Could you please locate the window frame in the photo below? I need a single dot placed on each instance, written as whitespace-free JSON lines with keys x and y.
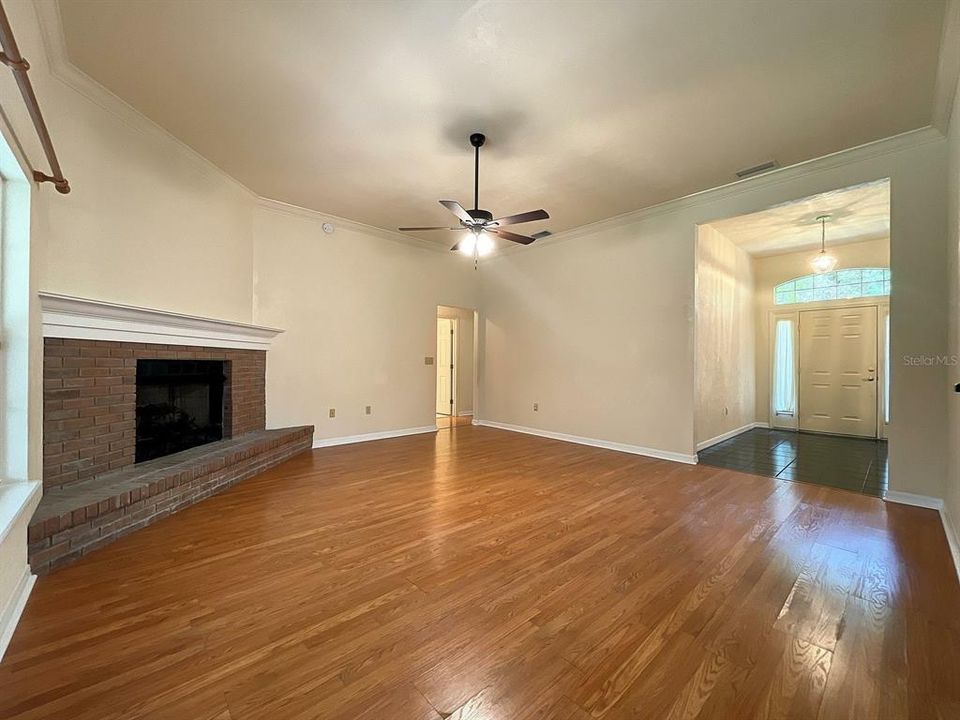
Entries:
{"x":813,"y":278}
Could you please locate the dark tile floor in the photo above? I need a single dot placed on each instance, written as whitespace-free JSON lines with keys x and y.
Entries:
{"x":849,"y":463}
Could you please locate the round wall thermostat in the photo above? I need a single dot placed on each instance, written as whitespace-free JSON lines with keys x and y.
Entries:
{"x":328,"y":228}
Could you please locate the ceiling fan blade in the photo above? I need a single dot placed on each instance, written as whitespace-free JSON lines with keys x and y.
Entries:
{"x":522,"y":218}
{"x":457,"y":209}
{"x":457,"y":246}
{"x":418,"y":229}
{"x":513,"y":237}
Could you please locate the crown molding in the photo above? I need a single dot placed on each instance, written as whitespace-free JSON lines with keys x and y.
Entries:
{"x":877,"y":148}
{"x":346,"y":223}
{"x":66,"y":316}
{"x":948,"y":67}
{"x":61,"y":68}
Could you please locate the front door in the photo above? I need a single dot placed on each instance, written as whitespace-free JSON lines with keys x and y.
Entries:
{"x":444,"y":366}
{"x":838,"y":371}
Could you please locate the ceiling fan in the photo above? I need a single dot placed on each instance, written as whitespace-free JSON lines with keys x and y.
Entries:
{"x":481,"y":223}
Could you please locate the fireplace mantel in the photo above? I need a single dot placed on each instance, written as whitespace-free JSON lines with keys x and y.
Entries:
{"x":65,"y":316}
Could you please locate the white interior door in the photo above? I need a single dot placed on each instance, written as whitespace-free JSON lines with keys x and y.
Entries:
{"x":444,"y":366}
{"x":838,"y":371}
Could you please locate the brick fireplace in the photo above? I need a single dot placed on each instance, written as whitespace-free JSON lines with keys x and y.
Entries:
{"x":197,"y":380}
{"x":89,"y":401}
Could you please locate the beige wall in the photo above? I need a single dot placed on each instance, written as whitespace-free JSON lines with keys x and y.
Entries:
{"x":597,"y":325}
{"x":952,"y":491}
{"x":725,"y":336}
{"x":360,"y":316}
{"x":598,"y":331}
{"x":150,"y":223}
{"x":465,"y":356}
{"x":771,"y":271}
{"x":147,"y":222}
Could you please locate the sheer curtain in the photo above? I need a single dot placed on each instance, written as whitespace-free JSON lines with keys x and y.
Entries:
{"x":784,"y":372}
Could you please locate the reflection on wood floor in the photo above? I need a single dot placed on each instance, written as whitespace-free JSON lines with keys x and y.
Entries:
{"x":486,"y":574}
{"x":446,"y":421}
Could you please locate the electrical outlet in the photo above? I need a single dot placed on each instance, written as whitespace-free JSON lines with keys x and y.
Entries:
{"x":536,"y":407}
{"x":368,"y":410}
{"x":333,"y":412}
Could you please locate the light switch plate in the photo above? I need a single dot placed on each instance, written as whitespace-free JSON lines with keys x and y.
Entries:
{"x":333,"y":412}
{"x":428,"y":361}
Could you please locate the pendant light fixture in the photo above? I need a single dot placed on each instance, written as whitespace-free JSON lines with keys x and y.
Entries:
{"x":822,"y":262}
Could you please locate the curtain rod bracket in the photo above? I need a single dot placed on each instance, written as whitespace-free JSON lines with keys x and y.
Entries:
{"x":20,"y":64}
{"x":11,"y":57}
{"x":62,"y":186}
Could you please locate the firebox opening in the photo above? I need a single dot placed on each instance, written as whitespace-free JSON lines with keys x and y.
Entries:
{"x":179,"y":405}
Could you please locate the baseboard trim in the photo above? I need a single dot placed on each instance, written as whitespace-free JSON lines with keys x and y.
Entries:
{"x":593,"y":442}
{"x":727,"y":435}
{"x":14,"y":608}
{"x":904,"y":498}
{"x":932,"y":503}
{"x":466,"y":413}
{"x":367,"y":437}
{"x":952,"y":540}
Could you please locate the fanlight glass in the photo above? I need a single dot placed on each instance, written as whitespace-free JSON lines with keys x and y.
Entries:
{"x":845,"y":284}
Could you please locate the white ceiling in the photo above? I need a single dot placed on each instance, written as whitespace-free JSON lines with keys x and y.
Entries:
{"x":856,"y":214}
{"x":592,"y":109}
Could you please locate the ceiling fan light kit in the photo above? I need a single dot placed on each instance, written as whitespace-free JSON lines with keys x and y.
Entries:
{"x":480,"y":223}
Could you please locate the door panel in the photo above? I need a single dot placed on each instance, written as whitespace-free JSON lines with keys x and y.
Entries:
{"x":444,"y":366}
{"x":838,"y":371}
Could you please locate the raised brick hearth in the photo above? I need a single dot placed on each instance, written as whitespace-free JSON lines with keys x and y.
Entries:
{"x":89,"y":395}
{"x":94,"y":490}
{"x":79,"y":517}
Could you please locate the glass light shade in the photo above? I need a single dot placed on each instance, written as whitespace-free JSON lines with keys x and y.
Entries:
{"x":484,"y":244}
{"x":823,"y":263}
{"x":468,"y":244}
{"x":481,"y":243}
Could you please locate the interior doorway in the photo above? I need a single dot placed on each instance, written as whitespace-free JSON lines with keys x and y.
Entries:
{"x":446,"y":340}
{"x":792,"y":339}
{"x":455,"y":365}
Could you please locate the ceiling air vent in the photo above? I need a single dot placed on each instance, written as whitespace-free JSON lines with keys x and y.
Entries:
{"x":542,"y":234}
{"x":757,"y":169}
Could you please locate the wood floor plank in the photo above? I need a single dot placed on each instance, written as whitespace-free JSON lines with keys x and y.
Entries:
{"x":479,"y":573}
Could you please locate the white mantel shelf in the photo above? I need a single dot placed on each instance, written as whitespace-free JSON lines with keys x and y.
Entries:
{"x":65,"y":316}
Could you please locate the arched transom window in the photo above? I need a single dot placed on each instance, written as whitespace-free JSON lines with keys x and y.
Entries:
{"x":837,"y":285}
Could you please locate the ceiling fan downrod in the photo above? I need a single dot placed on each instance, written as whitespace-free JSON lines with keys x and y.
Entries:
{"x":477,"y":140}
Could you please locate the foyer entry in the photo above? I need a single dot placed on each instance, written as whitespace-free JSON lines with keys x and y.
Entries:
{"x":838,"y":371}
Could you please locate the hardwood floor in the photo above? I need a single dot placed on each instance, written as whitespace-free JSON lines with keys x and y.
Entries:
{"x":480,"y":574}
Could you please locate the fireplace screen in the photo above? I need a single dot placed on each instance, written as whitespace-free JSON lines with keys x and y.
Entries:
{"x":179,"y":405}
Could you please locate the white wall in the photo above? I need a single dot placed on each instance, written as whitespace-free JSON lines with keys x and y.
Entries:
{"x":360,"y":317}
{"x":463,"y":367}
{"x":597,"y":325}
{"x":771,"y":271}
{"x":725,"y":336}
